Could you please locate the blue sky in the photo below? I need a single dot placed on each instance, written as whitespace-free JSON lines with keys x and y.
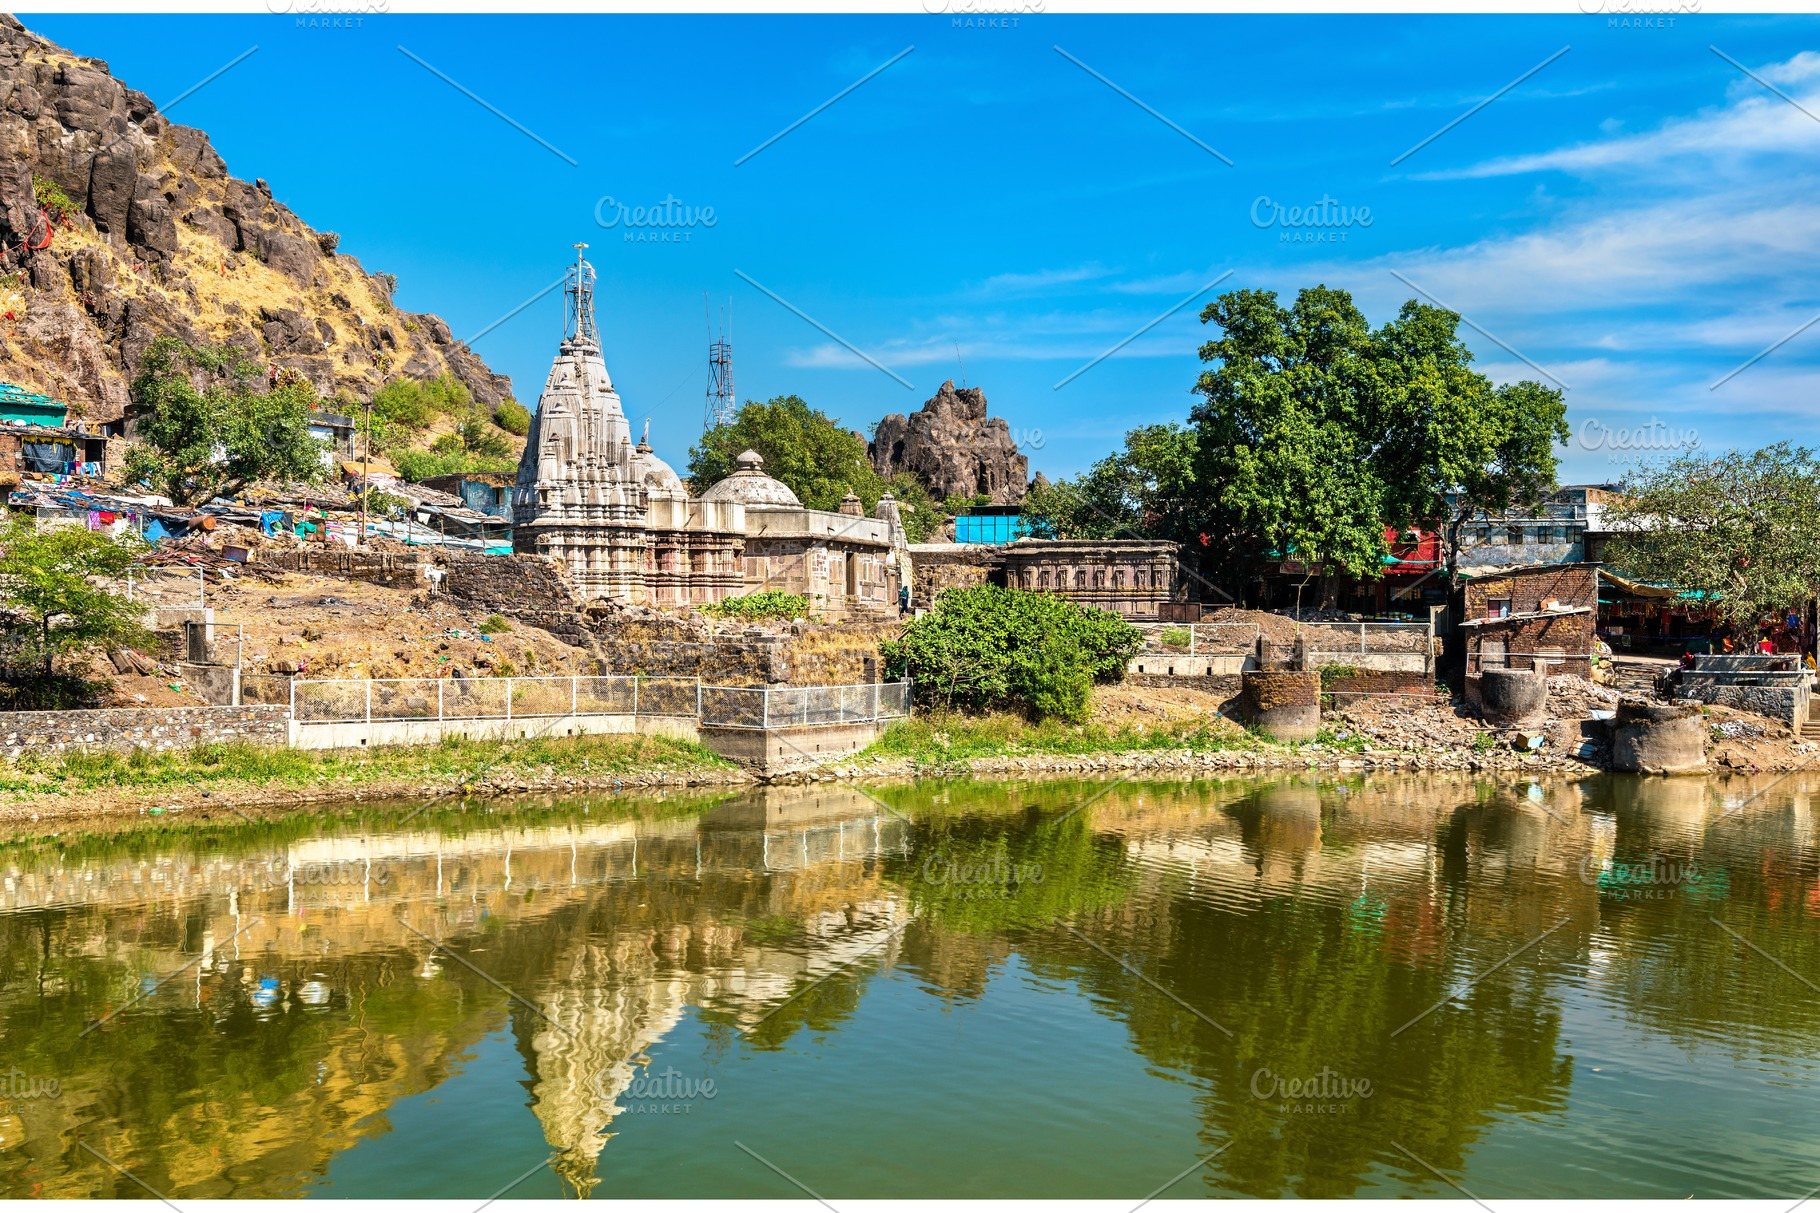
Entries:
{"x":1637,"y":218}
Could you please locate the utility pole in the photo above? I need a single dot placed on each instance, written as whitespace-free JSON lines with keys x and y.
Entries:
{"x":366,"y":465}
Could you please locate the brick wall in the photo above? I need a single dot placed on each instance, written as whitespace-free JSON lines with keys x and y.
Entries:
{"x":125,"y":729}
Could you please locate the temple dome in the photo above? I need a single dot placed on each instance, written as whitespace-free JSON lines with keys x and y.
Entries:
{"x":658,"y":476}
{"x":748,"y":485}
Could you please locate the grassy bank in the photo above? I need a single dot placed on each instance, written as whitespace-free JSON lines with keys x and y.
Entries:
{"x":940,"y":738}
{"x":451,"y":762}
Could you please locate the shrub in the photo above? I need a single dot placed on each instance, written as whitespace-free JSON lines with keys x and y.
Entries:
{"x":51,"y":197}
{"x":988,"y":647}
{"x":1175,"y":638}
{"x":513,"y":418}
{"x":769,"y":604}
{"x":495,"y":623}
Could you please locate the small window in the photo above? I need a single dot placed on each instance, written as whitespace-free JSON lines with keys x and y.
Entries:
{"x":1498,"y":608}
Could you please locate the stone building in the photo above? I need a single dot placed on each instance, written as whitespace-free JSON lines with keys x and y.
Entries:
{"x":1132,"y":577}
{"x":1529,"y":617}
{"x":621,"y":522}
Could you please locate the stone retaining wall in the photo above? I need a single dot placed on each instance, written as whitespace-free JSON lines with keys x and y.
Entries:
{"x":381,"y":568}
{"x":527,"y":588}
{"x":1786,"y":703}
{"x":122,"y":730}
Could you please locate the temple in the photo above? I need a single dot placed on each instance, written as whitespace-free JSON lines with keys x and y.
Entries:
{"x":622,"y":523}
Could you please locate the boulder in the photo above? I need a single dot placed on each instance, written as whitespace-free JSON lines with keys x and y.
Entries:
{"x":1658,"y":738}
{"x":953,"y":448}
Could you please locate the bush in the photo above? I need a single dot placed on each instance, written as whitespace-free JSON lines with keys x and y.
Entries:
{"x":770,"y":604}
{"x":1175,"y":638}
{"x":51,"y":197}
{"x":988,"y":648}
{"x":495,"y":623}
{"x":513,"y":418}
{"x":421,"y":465}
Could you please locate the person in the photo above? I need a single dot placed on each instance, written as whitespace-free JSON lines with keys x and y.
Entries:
{"x":903,"y":600}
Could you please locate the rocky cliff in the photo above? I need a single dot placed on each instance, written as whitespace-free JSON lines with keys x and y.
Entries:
{"x":157,"y":239}
{"x":953,"y":447}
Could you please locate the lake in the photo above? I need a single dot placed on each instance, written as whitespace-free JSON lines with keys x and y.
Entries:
{"x":1374,"y":987}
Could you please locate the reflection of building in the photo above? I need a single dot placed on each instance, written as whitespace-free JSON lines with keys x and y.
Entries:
{"x":620,"y":520}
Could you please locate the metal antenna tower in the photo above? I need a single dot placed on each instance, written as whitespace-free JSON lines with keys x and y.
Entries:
{"x":722,"y":405}
{"x":578,"y":325}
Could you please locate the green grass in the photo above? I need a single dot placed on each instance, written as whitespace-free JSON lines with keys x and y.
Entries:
{"x":217,"y":763}
{"x":951,"y":737}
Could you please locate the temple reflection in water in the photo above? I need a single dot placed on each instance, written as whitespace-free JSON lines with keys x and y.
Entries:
{"x":226,"y":1014}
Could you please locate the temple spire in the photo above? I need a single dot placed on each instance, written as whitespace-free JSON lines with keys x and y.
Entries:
{"x":579,"y":330}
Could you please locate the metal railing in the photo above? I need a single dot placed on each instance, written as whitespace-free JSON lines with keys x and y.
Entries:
{"x":443,"y":699}
{"x":785,"y":707}
{"x":370,"y":699}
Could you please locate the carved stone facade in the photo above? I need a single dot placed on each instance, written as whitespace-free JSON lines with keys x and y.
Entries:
{"x":623,"y":525}
{"x":1130,"y":577}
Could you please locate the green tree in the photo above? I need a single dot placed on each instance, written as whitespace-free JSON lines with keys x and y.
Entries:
{"x":801,"y":446}
{"x":1143,"y":491}
{"x":49,"y":585}
{"x":1742,"y":529}
{"x":474,"y":435}
{"x":987,"y":647}
{"x":513,"y":418}
{"x":198,"y":444}
{"x":1315,"y":432}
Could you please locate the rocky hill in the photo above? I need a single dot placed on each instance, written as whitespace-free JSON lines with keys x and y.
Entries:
{"x":117,"y":226}
{"x":953,"y":448}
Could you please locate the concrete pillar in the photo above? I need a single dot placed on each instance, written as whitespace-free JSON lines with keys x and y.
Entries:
{"x":1511,"y":697}
{"x":1658,"y":738}
{"x":1284,"y":704}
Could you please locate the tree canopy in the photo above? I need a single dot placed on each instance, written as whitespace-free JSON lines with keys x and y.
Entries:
{"x":1315,"y":433}
{"x":52,"y":585}
{"x":1740,"y":528}
{"x":196,"y":444}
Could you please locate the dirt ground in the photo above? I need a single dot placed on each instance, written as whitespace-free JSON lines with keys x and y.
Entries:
{"x":323,"y":627}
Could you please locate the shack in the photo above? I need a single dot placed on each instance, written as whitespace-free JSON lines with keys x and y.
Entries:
{"x":1525,"y":618}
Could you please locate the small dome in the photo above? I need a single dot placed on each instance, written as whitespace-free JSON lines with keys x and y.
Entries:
{"x":748,"y":485}
{"x":654,"y":473}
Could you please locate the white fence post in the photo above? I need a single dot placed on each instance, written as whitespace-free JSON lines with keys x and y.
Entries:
{"x":1361,"y":637}
{"x":698,"y":699}
{"x":369,"y":683}
{"x":508,"y":700}
{"x":574,"y":695}
{"x":439,"y":685}
{"x":635,"y":694}
{"x":293,"y":699}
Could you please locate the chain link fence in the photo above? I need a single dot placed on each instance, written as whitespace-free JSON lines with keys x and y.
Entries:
{"x":368,"y":699}
{"x":161,"y":588}
{"x":784,"y":707}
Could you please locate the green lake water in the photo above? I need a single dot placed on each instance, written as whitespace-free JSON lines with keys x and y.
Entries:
{"x":1370,"y":987}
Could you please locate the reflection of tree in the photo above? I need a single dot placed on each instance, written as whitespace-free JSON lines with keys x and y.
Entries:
{"x":984,"y":873}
